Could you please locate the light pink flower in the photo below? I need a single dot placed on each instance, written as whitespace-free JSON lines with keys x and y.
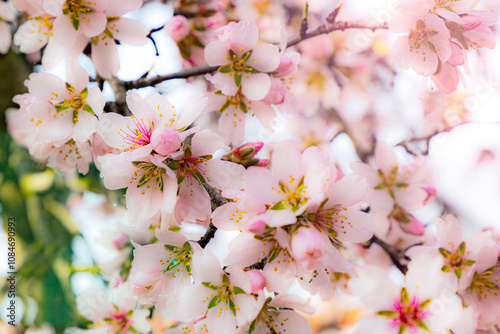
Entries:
{"x":277,"y":314}
{"x":58,"y":111}
{"x":162,"y":268}
{"x":177,"y":28}
{"x":243,"y":63}
{"x":223,"y":298}
{"x":76,"y":17}
{"x":427,"y":44}
{"x":6,"y":15}
{"x":421,"y":306}
{"x":127,"y":31}
{"x":120,"y":316}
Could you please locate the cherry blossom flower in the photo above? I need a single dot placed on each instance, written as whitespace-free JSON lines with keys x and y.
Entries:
{"x":163,"y":268}
{"x":242,"y":62}
{"x":223,"y":298}
{"x":59,"y":111}
{"x":276,"y":316}
{"x":420,"y":306}
{"x":6,"y":15}
{"x":427,"y":44}
{"x":111,"y":317}
{"x":177,"y":28}
{"x":75,"y":17}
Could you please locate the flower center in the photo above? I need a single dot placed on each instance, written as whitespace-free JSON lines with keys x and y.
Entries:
{"x":485,"y":284}
{"x":407,"y":314}
{"x":421,"y":38}
{"x":138,"y":137}
{"x":149,"y":175}
{"x":178,"y":256}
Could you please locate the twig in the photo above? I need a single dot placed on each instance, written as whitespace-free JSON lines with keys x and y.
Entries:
{"x":216,"y":200}
{"x":184,"y":74}
{"x":258,"y":265}
{"x":396,"y":254}
{"x":341,"y":25}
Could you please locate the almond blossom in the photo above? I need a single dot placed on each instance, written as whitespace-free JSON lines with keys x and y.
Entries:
{"x":427,"y":44}
{"x":420,"y":306}
{"x":6,"y":15}
{"x":223,"y":298}
{"x":113,"y":317}
{"x":162,"y":268}
{"x":242,"y":62}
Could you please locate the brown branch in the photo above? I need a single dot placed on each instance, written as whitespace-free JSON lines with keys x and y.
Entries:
{"x":184,"y":74}
{"x":397,"y":255}
{"x":216,"y":200}
{"x":341,"y":25}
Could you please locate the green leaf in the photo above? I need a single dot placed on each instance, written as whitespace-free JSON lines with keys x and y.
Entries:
{"x":198,"y":176}
{"x":210,"y":285}
{"x":225,"y":280}
{"x":469,"y":263}
{"x":389,"y":314}
{"x":224,"y":106}
{"x":250,"y":70}
{"x":60,"y":107}
{"x":445,"y":268}
{"x":237,"y":78}
{"x":461,"y":248}
{"x":444,"y":252}
{"x":458,"y":272}
{"x":422,"y":325}
{"x":232,"y":307}
{"x":379,"y":187}
{"x":187,"y":152}
{"x":243,"y":107}
{"x":278,"y":206}
{"x":404,"y":295}
{"x":170,"y":247}
{"x":252,"y":327}
{"x":133,"y":330}
{"x":228,"y":68}
{"x":247,"y":55}
{"x":88,"y":109}
{"x":239,"y":291}
{"x":214,"y":302}
{"x":173,"y":264}
{"x":84,"y":93}
{"x":75,"y":20}
{"x":108,"y":33}
{"x":174,"y":164}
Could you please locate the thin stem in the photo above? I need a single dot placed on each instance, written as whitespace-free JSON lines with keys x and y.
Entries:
{"x":216,"y":200}
{"x":397,"y":255}
{"x":184,"y":74}
{"x":331,"y":27}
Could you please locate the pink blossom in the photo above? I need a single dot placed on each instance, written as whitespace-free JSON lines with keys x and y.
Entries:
{"x":120,"y":316}
{"x":177,"y":28}
{"x":427,"y":44}
{"x":6,"y":15}
{"x":242,"y":62}
{"x":223,"y":298}
{"x":161,"y":268}
{"x":73,"y":18}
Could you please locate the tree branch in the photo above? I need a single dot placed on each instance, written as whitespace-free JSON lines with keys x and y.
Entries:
{"x":216,"y":200}
{"x":184,"y":74}
{"x":341,"y":25}
{"x":397,"y":255}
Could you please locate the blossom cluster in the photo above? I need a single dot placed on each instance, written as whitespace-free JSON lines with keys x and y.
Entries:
{"x":222,"y":230}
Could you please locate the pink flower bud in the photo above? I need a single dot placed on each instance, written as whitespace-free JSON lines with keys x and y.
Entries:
{"x":414,"y":227}
{"x":307,"y":244}
{"x":256,"y":226}
{"x":165,"y":140}
{"x":431,"y":194}
{"x":262,"y":163}
{"x":177,"y":28}
{"x":256,"y":280}
{"x":471,"y":22}
{"x":286,"y":67}
{"x":247,"y":151}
